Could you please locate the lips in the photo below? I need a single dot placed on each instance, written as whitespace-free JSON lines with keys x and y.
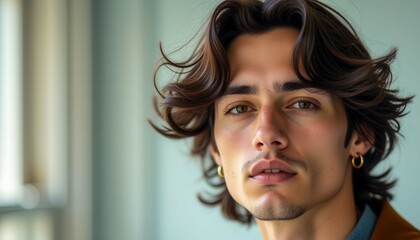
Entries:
{"x":273,"y":166}
{"x":269,"y":172}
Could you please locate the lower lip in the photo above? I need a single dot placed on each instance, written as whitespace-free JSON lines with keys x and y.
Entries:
{"x":272,"y":178}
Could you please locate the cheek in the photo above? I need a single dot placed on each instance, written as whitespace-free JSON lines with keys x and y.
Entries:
{"x":328,"y":159}
{"x":322,"y":145}
{"x":231,"y":144}
{"x":326,"y":135}
{"x":233,"y":147}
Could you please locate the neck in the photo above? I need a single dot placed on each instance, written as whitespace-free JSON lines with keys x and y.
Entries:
{"x":332,"y":219}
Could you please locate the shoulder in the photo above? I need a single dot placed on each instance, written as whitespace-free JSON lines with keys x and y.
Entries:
{"x":390,"y":225}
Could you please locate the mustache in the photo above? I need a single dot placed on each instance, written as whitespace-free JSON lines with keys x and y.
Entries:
{"x":278,"y":154}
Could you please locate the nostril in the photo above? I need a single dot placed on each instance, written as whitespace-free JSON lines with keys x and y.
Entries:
{"x":273,"y":143}
{"x":260,"y":144}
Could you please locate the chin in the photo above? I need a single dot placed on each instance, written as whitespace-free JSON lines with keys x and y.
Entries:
{"x":273,"y":207}
{"x":278,"y":212}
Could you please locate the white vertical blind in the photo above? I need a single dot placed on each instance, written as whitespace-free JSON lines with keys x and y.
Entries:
{"x":10,"y":102}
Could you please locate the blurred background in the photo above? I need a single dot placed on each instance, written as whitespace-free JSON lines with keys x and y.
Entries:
{"x":78,"y":159}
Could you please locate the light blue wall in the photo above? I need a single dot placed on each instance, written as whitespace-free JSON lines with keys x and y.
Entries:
{"x":122,"y":36}
{"x":177,"y":179}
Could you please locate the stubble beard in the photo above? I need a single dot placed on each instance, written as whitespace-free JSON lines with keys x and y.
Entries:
{"x":276,"y":213}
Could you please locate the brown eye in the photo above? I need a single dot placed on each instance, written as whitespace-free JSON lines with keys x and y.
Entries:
{"x":304,"y":104}
{"x":241,"y":109}
{"x":238,"y":109}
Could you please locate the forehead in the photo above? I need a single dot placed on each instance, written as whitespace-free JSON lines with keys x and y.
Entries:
{"x":271,"y":47}
{"x":263,"y":54}
{"x":264,"y":57}
{"x":258,"y":59}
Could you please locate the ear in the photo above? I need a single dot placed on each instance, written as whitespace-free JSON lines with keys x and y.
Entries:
{"x":361,"y":144}
{"x":215,"y":154}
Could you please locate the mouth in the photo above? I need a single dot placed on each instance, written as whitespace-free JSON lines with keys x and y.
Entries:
{"x":272,"y":166}
{"x":272,"y":171}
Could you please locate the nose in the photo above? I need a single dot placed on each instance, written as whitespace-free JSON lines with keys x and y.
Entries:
{"x":270,"y":131}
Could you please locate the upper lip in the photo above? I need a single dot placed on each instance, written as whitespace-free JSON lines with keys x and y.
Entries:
{"x":264,"y":164}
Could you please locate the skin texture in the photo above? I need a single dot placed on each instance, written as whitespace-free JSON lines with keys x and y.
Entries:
{"x":266,"y":116}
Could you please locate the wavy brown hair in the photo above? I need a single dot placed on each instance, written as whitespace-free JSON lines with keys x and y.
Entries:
{"x":330,"y":53}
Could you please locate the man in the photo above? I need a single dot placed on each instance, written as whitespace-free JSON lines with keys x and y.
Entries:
{"x":295,"y":114}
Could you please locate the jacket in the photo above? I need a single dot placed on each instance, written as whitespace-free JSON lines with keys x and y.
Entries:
{"x":390,"y":225}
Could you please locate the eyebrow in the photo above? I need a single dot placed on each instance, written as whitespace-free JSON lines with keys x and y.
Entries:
{"x":288,"y":86}
{"x":252,"y":89}
{"x":243,"y":89}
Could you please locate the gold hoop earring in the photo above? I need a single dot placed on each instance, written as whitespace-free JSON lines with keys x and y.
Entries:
{"x":220,"y":172}
{"x":357,"y":166}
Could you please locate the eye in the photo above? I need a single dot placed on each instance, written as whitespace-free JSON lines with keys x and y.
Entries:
{"x":238,"y":109}
{"x":304,"y":105}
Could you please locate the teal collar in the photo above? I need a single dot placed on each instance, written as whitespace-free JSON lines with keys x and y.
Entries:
{"x":364,"y":226}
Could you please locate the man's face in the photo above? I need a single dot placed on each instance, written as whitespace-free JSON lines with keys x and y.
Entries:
{"x":281,"y":145}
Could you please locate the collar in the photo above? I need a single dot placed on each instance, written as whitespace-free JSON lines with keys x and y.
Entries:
{"x":365,"y":225}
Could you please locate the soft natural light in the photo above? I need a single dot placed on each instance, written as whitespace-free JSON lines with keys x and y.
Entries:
{"x":10,"y":102}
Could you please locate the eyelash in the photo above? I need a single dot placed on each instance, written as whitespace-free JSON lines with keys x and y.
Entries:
{"x":313,"y":106}
{"x":229,"y":110}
